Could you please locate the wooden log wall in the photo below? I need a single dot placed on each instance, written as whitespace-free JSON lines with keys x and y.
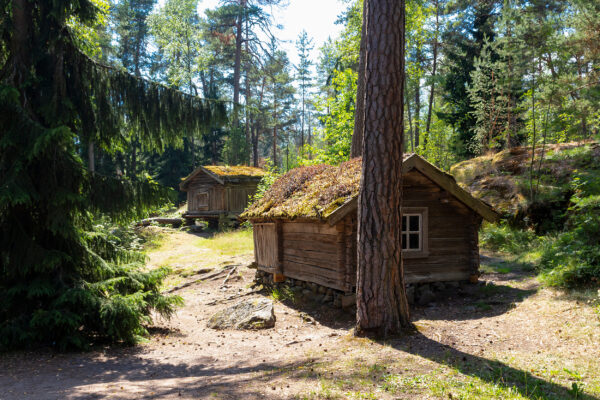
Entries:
{"x":216,"y":194}
{"x":326,"y":255}
{"x":266,"y":250}
{"x":238,"y":195}
{"x":311,"y":252}
{"x":452,"y":229}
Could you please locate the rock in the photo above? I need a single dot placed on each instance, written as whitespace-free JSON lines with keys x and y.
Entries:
{"x":248,"y":314}
{"x":326,"y":299}
{"x":322,"y":289}
{"x":439,"y":286}
{"x":314,"y":287}
{"x":348,"y":300}
{"x":452,"y":285}
{"x":410,"y":294}
{"x":318,"y":298}
{"x":329,"y":292}
{"x":425,"y":296}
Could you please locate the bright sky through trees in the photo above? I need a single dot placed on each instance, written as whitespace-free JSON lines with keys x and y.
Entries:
{"x":317,"y":17}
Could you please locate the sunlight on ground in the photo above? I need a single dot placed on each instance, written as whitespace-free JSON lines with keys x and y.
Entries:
{"x":186,"y":253}
{"x":228,"y":243}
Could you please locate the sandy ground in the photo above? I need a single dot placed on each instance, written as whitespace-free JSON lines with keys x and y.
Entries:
{"x":506,"y":326}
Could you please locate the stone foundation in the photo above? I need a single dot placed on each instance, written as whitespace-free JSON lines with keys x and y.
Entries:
{"x":417,"y":293}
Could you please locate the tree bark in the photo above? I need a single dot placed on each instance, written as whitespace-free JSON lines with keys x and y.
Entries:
{"x":382,"y":307}
{"x":238,"y":61}
{"x":433,"y":71}
{"x":417,"y":119}
{"x":356,"y":148}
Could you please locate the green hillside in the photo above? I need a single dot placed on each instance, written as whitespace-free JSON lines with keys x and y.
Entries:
{"x":551,"y":211}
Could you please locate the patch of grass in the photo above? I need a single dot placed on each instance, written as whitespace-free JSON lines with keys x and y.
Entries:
{"x":231,"y":243}
{"x":282,"y":293}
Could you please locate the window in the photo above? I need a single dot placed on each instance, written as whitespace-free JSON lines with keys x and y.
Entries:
{"x":412,"y":232}
{"x":415,"y":240}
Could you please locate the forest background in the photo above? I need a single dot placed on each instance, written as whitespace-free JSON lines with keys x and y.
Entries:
{"x":108,"y":105}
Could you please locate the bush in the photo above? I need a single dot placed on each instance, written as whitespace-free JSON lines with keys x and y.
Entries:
{"x":507,"y":239}
{"x":110,"y":301}
{"x":572,"y":258}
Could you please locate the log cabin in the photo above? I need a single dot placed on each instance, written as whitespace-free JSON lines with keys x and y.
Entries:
{"x":215,"y":192}
{"x":305,"y":226}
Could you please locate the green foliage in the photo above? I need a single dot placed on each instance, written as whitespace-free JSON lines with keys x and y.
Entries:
{"x":282,"y":293}
{"x":568,"y":256}
{"x":65,"y":280}
{"x":338,"y":121}
{"x":504,"y":238}
{"x":572,"y":258}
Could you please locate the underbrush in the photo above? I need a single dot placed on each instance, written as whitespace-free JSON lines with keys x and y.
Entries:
{"x":568,"y":254}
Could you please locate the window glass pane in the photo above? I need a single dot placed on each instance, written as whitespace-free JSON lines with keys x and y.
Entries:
{"x":403,"y":241}
{"x":404,"y":223}
{"x":413,"y":240}
{"x":414,"y":223}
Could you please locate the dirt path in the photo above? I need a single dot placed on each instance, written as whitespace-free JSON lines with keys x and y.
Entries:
{"x":504,"y":340}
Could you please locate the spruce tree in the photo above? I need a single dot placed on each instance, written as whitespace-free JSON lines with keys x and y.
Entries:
{"x":64,"y":281}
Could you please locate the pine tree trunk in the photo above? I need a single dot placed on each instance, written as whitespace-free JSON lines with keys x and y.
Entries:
{"x":417,"y":119}
{"x":238,"y":61}
{"x":248,"y":90}
{"x":382,"y":307}
{"x":356,"y":149}
{"x":433,"y":71}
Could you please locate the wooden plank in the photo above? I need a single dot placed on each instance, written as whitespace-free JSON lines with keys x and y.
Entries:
{"x":265,"y":245}
{"x":319,"y":280}
{"x":309,"y":227}
{"x":323,"y":262}
{"x":279,"y":250}
{"x":317,"y":237}
{"x":292,"y":266}
{"x":310,"y":245}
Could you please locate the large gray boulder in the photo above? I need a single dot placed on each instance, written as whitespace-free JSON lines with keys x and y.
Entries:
{"x":248,"y":314}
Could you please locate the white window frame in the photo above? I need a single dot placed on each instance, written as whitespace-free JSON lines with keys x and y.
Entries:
{"x":423,"y":250}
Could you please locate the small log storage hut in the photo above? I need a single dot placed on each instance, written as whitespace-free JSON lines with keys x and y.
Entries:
{"x":215,"y":191}
{"x":305,"y":227}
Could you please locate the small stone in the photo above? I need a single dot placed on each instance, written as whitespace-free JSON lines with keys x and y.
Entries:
{"x":314,"y":287}
{"x":329,"y":292}
{"x":326,"y":299}
{"x":318,"y":298}
{"x":439,"y":286}
{"x":322,"y":289}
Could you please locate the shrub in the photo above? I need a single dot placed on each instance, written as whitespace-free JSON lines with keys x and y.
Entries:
{"x":110,"y":301}
{"x":505,"y":238}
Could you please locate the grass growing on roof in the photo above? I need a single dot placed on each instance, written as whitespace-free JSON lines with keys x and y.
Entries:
{"x":234,"y":170}
{"x":313,"y":191}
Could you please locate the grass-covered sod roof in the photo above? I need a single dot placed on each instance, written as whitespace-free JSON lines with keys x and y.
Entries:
{"x":234,"y":171}
{"x":312,"y":192}
{"x":318,"y":192}
{"x":225,"y":173}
